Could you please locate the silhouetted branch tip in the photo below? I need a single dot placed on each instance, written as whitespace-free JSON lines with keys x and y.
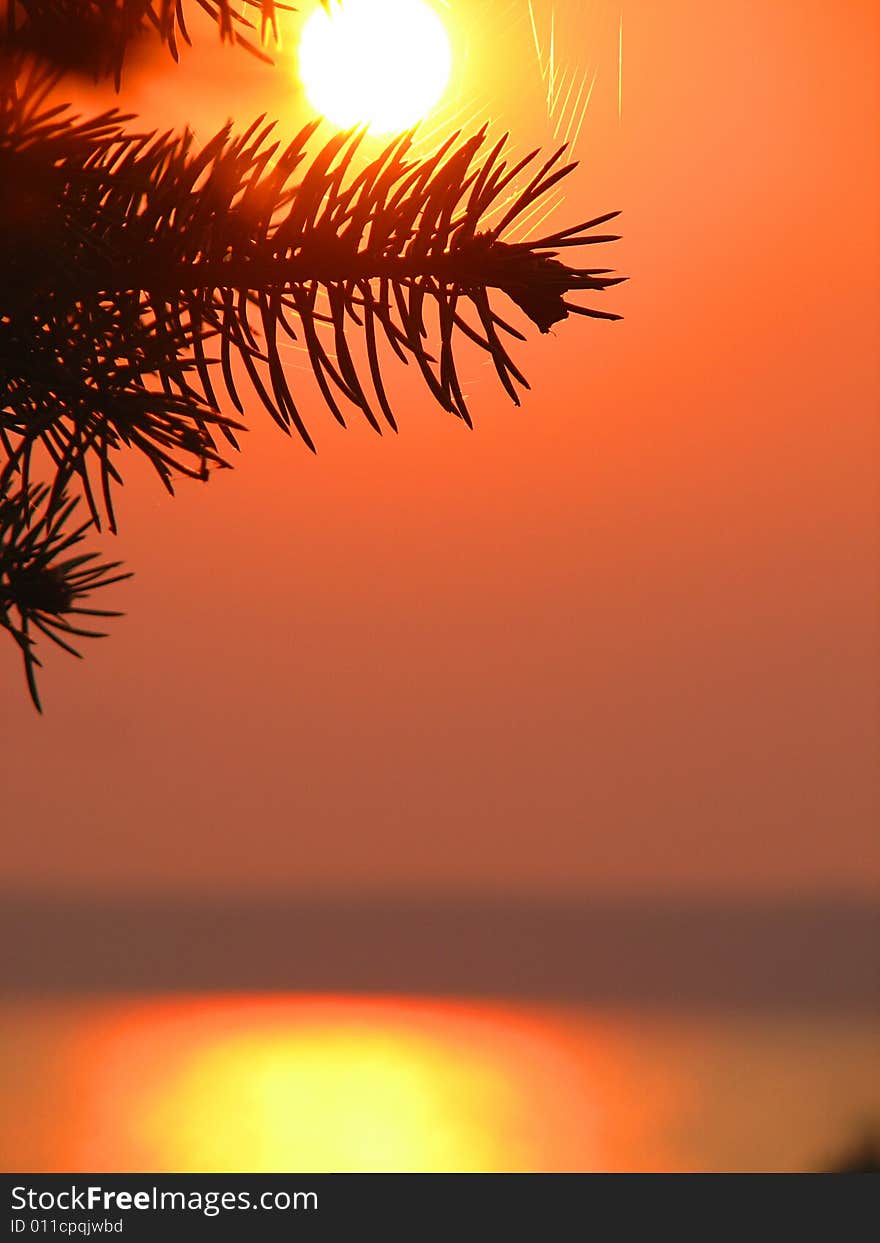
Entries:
{"x":43,"y":586}
{"x":92,"y":37}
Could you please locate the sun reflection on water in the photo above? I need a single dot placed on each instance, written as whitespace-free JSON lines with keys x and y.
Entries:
{"x":328,"y":1084}
{"x":344,"y":1083}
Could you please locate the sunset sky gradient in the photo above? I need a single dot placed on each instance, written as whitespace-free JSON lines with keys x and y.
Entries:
{"x":622,"y":639}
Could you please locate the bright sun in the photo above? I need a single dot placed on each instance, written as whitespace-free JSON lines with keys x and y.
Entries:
{"x":380,"y":63}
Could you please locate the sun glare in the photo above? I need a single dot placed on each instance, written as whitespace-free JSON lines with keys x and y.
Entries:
{"x":379,"y":63}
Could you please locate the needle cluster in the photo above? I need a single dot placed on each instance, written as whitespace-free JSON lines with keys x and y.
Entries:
{"x":92,"y":37}
{"x":42,"y":585}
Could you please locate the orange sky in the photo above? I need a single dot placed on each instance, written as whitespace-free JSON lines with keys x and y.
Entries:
{"x":623,"y":638}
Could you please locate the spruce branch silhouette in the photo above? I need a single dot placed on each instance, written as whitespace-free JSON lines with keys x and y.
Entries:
{"x":126,"y":257}
{"x":92,"y":37}
{"x":143,"y":277}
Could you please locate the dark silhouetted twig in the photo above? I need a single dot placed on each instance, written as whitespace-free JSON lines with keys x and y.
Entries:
{"x":45,"y":578}
{"x":92,"y":36}
{"x":862,"y":1156}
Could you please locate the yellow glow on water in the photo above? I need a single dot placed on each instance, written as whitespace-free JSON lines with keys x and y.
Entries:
{"x":324,"y":1085}
{"x":321,"y":1096}
{"x":317,"y":1083}
{"x":380,"y":63}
